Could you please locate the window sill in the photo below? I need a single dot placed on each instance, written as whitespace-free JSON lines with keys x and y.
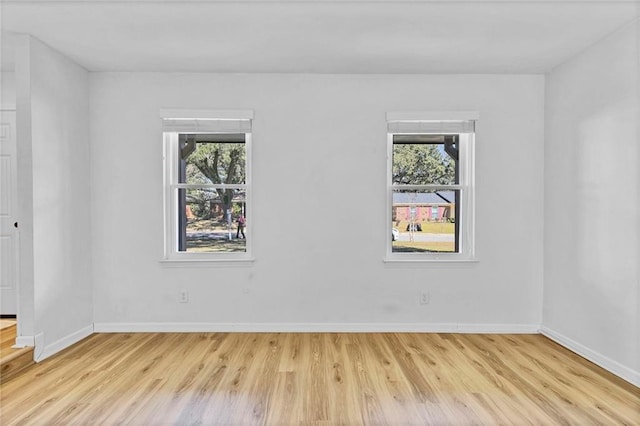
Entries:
{"x":204,"y":263}
{"x":396,"y":260}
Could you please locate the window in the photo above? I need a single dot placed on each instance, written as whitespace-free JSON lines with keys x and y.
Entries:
{"x":430,"y":186}
{"x":207,"y":184}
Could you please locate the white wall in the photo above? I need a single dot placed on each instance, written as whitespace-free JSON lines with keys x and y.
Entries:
{"x":592,"y":204}
{"x":55,"y":221}
{"x":8,"y":90}
{"x":319,"y":203}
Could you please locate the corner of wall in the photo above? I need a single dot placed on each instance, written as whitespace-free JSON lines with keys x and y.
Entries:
{"x":629,"y":374}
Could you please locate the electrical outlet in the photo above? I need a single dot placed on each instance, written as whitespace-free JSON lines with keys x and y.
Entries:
{"x":424,"y":298}
{"x":183,"y":297}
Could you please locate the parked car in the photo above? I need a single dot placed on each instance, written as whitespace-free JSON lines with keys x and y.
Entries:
{"x":395,"y":234}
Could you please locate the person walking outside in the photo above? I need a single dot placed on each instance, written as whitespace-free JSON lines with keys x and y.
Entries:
{"x":241,"y":223}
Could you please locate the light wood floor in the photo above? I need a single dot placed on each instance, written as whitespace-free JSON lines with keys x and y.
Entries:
{"x":7,"y":335}
{"x":12,"y":360}
{"x":317,"y":378}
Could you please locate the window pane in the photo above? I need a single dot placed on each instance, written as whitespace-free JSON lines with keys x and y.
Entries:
{"x":424,"y":221}
{"x":210,"y":220}
{"x":420,"y":160}
{"x":212,"y":159}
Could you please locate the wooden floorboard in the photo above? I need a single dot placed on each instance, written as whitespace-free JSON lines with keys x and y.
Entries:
{"x":12,"y":360}
{"x":7,"y":336}
{"x":317,"y":378}
{"x":7,"y":339}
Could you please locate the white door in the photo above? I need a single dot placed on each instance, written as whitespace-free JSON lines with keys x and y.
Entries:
{"x":8,"y":214}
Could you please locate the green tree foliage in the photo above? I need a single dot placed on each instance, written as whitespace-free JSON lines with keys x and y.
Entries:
{"x":216,"y":163}
{"x":422,"y":164}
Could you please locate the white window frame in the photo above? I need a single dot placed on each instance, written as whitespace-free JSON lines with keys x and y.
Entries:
{"x":176,"y":122}
{"x":446,"y":123}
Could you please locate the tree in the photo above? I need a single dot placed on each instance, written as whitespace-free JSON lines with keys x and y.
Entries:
{"x":217,"y":163}
{"x":422,"y":164}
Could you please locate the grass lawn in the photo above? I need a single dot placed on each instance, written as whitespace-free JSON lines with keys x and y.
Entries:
{"x":211,"y":236}
{"x":429,"y":227}
{"x":205,"y":225}
{"x":415,"y":246}
{"x":217,"y":246}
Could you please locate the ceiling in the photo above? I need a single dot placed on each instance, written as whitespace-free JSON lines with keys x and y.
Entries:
{"x":320,"y":36}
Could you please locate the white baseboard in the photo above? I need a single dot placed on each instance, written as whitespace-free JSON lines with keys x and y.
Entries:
{"x":24,"y":341}
{"x":63,"y":343}
{"x":499,"y":328}
{"x":597,"y":358}
{"x":196,"y":327}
